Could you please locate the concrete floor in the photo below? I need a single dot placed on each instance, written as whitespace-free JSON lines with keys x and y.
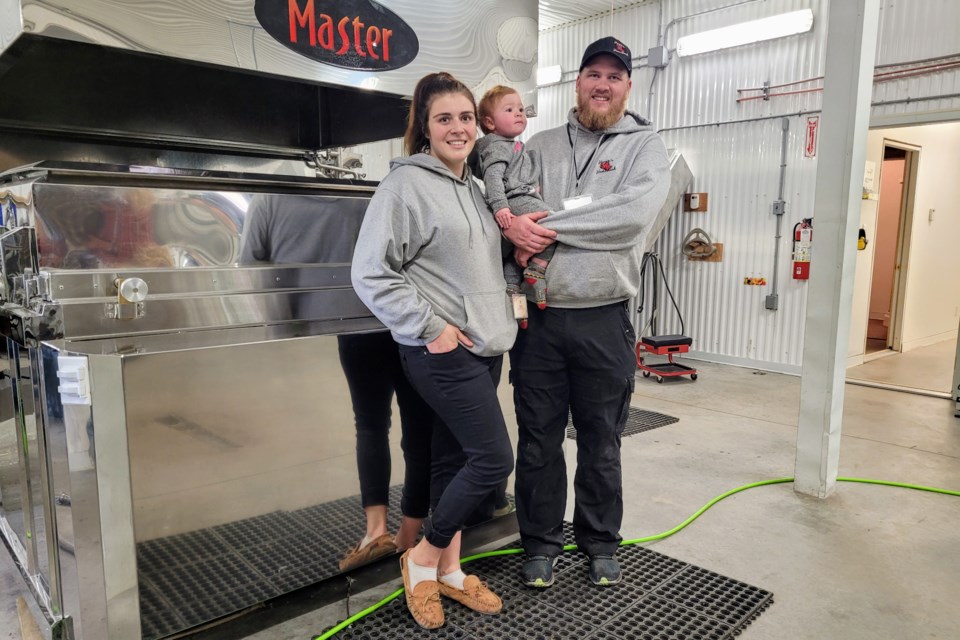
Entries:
{"x":929,"y":368}
{"x":869,"y":562}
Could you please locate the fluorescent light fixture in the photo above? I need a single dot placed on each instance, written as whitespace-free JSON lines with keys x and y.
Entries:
{"x":784,"y":24}
{"x":549,"y":75}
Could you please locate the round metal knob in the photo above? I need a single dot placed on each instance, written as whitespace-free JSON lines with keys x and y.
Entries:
{"x":133,"y":289}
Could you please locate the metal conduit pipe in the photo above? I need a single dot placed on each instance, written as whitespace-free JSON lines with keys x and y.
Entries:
{"x":700,"y":13}
{"x":895,"y":387}
{"x":797,"y":114}
{"x":884,"y":103}
{"x":898,"y":74}
{"x":771,"y":302}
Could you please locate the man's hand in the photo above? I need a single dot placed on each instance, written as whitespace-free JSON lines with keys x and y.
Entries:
{"x":504,"y":218}
{"x":526,"y":234}
{"x":522,"y":257}
{"x":448,"y":340}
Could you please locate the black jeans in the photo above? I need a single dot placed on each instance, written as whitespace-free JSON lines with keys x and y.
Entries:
{"x":462,"y":389}
{"x":371,"y":364}
{"x":581,"y":361}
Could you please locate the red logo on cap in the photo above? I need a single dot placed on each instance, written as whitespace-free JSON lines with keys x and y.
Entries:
{"x":619,"y":47}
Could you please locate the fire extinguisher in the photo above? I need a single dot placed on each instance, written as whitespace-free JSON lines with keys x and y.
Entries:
{"x":802,"y":239}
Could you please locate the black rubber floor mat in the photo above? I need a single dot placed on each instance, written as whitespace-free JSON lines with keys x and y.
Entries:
{"x":638,"y":421}
{"x":660,"y":598}
{"x":195,"y":577}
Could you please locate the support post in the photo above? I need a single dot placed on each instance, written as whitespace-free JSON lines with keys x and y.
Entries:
{"x":847,"y":87}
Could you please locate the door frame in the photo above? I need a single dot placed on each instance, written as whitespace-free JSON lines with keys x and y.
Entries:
{"x":904,"y":234}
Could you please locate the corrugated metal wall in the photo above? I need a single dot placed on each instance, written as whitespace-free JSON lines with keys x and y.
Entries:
{"x":734,"y":148}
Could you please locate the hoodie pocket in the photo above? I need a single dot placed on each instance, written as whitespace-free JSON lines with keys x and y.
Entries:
{"x":489,"y":322}
{"x":581,"y":275}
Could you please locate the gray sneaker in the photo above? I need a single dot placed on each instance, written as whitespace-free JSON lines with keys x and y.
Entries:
{"x":605,"y":571}
{"x":537,"y":571}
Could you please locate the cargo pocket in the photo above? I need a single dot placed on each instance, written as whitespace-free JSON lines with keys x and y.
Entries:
{"x":625,"y":404}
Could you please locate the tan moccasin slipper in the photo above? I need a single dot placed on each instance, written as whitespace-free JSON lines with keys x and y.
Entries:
{"x":474,"y":595}
{"x":424,"y":600}
{"x":378,"y":547}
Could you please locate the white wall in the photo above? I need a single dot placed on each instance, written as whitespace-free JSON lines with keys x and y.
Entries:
{"x":933,"y":281}
{"x":932,"y":304}
{"x":734,"y":150}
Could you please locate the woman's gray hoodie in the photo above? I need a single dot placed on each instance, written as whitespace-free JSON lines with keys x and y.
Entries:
{"x":429,"y":254}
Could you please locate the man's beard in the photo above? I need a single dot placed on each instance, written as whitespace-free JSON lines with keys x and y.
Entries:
{"x":596,"y":120}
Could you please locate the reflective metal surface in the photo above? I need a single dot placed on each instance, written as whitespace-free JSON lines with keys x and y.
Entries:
{"x":228,"y":34}
{"x":177,"y":432}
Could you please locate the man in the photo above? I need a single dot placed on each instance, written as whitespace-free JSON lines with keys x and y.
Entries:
{"x":605,"y":178}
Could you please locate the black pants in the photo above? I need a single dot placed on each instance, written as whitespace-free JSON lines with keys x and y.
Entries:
{"x":462,"y":389}
{"x":581,"y":361}
{"x":371,"y":364}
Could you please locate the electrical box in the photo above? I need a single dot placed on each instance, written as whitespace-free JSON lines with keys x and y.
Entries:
{"x":657,"y":57}
{"x":694,"y":202}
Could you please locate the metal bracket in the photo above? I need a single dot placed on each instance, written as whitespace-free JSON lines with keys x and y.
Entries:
{"x":117,"y":311}
{"x":326,"y":163}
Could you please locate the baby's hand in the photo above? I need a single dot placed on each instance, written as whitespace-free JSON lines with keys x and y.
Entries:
{"x":504,"y":218}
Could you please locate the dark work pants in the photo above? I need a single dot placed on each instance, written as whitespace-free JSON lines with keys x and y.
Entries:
{"x":581,"y":361}
{"x":462,"y":389}
{"x":371,"y":364}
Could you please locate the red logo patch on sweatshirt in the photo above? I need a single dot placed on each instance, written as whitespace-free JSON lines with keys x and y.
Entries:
{"x":605,"y":165}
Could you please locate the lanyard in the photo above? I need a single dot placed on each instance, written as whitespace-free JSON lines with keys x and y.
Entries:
{"x":576,"y":174}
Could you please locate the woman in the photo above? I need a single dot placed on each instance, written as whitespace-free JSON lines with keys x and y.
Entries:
{"x":428,"y":264}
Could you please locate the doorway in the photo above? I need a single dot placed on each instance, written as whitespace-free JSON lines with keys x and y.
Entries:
{"x":898,"y":179}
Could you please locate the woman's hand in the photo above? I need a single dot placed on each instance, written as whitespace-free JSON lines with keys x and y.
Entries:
{"x":526,"y":234}
{"x":448,"y":340}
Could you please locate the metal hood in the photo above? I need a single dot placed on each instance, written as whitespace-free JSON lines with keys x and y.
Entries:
{"x":261,"y":77}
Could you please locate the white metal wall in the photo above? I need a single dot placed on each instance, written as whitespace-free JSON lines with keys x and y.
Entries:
{"x":734,"y":148}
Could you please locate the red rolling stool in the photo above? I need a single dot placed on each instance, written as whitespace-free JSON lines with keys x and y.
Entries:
{"x":664,"y":346}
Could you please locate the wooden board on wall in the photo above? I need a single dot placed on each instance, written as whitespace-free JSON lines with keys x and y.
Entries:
{"x":717,"y":255}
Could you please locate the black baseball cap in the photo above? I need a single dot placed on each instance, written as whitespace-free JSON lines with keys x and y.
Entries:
{"x":611,"y":46}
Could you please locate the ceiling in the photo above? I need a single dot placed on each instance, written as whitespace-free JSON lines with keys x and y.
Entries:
{"x":557,"y":12}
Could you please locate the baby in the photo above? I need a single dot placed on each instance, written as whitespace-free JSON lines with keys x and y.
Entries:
{"x":512,"y":179}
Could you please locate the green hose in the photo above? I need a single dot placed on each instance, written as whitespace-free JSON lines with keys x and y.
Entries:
{"x":660,"y":536}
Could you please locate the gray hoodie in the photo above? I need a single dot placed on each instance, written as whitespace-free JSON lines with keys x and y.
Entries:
{"x":429,"y":254}
{"x":625,"y":171}
{"x":508,"y":171}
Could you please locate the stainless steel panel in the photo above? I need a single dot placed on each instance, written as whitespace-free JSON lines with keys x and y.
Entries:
{"x":64,"y":285}
{"x":26,"y":435}
{"x":114,"y":473}
{"x":90,"y":319}
{"x":88,"y":226}
{"x":12,"y":480}
{"x":70,"y":445}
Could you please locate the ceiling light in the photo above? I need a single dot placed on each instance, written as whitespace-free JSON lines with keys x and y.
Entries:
{"x":549,"y":75}
{"x":784,"y":24}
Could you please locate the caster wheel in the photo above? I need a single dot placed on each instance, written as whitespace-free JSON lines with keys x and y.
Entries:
{"x":659,"y":379}
{"x":646,"y":374}
{"x":693,"y":376}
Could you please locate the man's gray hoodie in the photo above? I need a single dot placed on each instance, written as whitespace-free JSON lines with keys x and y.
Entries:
{"x":626,"y":172}
{"x":429,"y":254}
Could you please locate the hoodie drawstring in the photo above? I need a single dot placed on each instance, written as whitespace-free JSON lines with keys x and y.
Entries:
{"x":463,"y":209}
